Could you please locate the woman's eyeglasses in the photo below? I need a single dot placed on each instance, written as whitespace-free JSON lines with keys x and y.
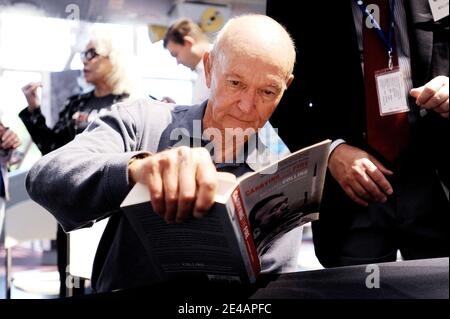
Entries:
{"x":88,"y":55}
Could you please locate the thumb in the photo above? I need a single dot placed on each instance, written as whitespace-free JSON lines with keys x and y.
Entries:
{"x":416,"y":92}
{"x":381,"y":167}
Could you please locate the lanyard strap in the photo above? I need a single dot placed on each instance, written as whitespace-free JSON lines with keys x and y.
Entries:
{"x":386,"y":40}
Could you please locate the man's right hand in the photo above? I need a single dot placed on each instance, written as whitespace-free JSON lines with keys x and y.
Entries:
{"x":360,"y":175}
{"x":181,"y":181}
{"x":30,"y":92}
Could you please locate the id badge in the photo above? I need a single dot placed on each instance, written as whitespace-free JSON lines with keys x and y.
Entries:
{"x":391,"y":91}
{"x":439,"y":9}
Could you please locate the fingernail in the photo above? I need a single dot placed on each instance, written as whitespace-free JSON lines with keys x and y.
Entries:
{"x":390,"y":191}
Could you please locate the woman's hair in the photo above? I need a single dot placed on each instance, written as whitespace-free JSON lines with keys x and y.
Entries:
{"x":106,"y":45}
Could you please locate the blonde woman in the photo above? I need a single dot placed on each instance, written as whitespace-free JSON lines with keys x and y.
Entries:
{"x":104,"y":69}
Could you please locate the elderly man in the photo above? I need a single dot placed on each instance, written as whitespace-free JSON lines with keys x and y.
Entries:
{"x":247,"y":71}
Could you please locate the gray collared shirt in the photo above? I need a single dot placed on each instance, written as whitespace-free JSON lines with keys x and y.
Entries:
{"x":87,"y":180}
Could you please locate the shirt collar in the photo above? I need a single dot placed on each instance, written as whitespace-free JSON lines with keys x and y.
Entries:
{"x":191,"y":128}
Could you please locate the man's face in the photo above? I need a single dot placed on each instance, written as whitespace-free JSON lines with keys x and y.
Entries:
{"x":96,"y":67}
{"x":245,"y":90}
{"x":183,"y":53}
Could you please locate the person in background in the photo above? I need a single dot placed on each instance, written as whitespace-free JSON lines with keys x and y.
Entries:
{"x":390,"y":185}
{"x":389,"y":164}
{"x":187,"y":43}
{"x":9,"y":141}
{"x":103,"y":61}
{"x":104,"y":69}
{"x":248,"y":70}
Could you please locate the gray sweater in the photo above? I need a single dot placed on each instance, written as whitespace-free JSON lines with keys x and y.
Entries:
{"x":87,"y":180}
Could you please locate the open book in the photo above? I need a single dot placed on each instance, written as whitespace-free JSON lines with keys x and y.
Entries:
{"x":250,"y":213}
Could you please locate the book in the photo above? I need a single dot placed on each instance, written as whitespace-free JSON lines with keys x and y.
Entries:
{"x":249,"y":214}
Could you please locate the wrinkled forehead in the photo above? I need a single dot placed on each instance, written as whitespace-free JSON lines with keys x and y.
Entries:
{"x":257,"y":65}
{"x":259,"y":52}
{"x":258,"y":36}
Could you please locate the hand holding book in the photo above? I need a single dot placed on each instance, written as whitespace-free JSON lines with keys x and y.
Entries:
{"x":180,"y":181}
{"x":251,"y":217}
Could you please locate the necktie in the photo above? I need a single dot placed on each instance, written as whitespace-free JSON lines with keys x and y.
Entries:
{"x":388,"y":135}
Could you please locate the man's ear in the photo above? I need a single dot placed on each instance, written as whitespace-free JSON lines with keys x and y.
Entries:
{"x":207,"y":64}
{"x":289,"y":81}
{"x":188,"y":41}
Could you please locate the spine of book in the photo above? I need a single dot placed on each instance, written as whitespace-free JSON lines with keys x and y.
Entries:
{"x":246,"y":230}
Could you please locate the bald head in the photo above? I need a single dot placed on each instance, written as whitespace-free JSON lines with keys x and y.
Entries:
{"x":259,"y":36}
{"x":248,"y":71}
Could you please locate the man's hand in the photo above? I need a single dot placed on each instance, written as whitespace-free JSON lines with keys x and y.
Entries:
{"x":433,"y":95}
{"x":9,"y":139}
{"x":168,"y":99}
{"x":30,"y":92}
{"x":360,"y":175}
{"x":180,"y":181}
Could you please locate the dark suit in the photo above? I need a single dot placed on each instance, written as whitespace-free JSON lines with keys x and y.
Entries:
{"x":326,"y":100}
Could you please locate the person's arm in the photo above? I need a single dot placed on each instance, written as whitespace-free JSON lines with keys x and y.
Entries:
{"x":9,"y":141}
{"x":361,"y":176}
{"x":87,"y":179}
{"x":45,"y":138}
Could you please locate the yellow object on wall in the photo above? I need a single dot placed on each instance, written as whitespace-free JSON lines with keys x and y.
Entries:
{"x":211,"y":20}
{"x":156,"y":32}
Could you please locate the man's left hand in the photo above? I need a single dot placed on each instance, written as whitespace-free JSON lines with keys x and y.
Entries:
{"x":433,"y":95}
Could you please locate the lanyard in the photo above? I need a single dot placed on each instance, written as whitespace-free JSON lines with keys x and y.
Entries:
{"x":387,"y":40}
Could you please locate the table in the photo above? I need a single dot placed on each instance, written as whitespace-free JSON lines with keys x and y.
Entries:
{"x":417,"y":279}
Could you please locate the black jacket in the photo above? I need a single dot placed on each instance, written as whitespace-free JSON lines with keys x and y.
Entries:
{"x":326,"y":98}
{"x":48,"y":139}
